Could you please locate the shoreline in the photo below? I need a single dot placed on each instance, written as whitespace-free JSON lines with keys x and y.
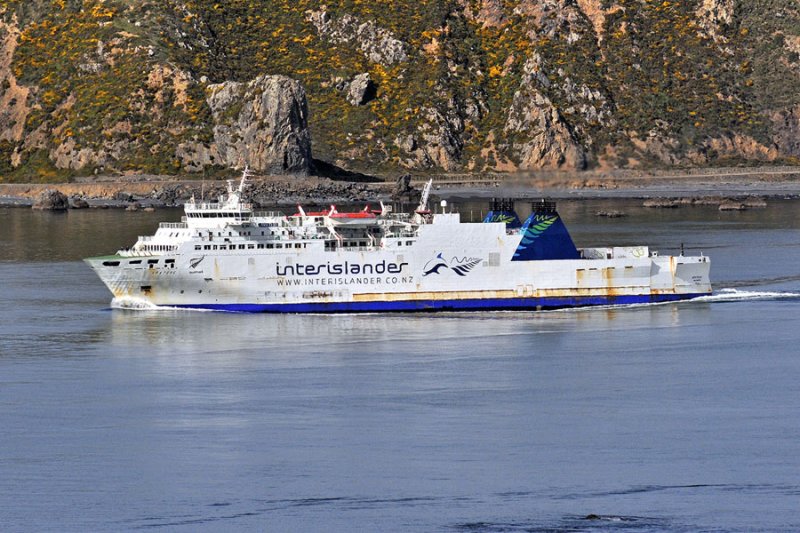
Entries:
{"x":157,"y":191}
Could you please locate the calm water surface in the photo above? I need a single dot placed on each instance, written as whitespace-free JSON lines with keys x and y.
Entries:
{"x":678,"y":417}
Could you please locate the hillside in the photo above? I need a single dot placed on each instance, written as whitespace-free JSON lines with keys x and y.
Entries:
{"x":166,"y":87}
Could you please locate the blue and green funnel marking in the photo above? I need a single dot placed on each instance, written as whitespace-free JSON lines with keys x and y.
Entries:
{"x":544,"y":236}
{"x":510,"y":218}
{"x":502,"y":210}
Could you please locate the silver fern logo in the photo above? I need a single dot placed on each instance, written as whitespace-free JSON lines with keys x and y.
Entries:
{"x":460,"y":265}
{"x":196,"y":261}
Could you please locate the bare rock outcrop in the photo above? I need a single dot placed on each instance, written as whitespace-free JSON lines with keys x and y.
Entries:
{"x":786,"y":125}
{"x":51,"y":200}
{"x":597,"y":13}
{"x":547,"y":141}
{"x":714,"y":15}
{"x":68,"y":155}
{"x":437,"y":142}
{"x":14,"y":107}
{"x":488,"y":13}
{"x":378,"y":44}
{"x":78,"y":202}
{"x":732,"y":146}
{"x":361,"y":90}
{"x":262,"y":123}
{"x":556,"y":112}
{"x":402,"y":186}
{"x":554,"y":18}
{"x":658,"y":145}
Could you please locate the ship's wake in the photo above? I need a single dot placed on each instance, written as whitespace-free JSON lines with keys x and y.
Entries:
{"x":722,"y":295}
{"x":737,"y":295}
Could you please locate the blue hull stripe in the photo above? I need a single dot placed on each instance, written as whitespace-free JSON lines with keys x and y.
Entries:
{"x":446,"y":305}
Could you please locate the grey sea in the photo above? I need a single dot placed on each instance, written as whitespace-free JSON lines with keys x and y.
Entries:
{"x":674,"y":417}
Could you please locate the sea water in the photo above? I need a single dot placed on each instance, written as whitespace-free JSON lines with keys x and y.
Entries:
{"x":671,"y":417}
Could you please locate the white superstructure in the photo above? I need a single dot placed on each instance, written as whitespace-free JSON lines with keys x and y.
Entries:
{"x":227,"y":256}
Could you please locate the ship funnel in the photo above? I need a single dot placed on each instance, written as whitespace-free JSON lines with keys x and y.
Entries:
{"x":544,"y":235}
{"x":502,"y":210}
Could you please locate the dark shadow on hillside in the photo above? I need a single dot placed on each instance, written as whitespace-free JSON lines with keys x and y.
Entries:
{"x":331,"y":171}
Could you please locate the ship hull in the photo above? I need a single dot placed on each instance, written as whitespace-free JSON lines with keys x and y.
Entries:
{"x":480,"y":304}
{"x":336,"y":282}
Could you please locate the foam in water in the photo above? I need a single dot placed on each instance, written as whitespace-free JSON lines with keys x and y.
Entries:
{"x":721,"y":295}
{"x":736,"y":295}
{"x":130,"y":302}
{"x":139,"y":304}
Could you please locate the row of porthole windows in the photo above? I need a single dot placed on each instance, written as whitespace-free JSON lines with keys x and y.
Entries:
{"x":237,"y":214}
{"x":230,"y":234}
{"x":151,"y":263}
{"x":249,"y":246}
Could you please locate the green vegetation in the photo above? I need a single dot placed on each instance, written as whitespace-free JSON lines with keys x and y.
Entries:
{"x":763,"y":31}
{"x":664,"y":71}
{"x":108,"y":73}
{"x":91,"y":76}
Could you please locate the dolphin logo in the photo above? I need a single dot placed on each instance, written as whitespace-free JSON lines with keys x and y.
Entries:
{"x":437,"y":264}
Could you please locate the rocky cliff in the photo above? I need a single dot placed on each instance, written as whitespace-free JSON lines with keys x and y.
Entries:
{"x":262,"y":123}
{"x":190,"y":86}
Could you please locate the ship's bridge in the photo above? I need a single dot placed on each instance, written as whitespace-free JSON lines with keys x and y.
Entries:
{"x":229,"y":210}
{"x":217,"y":215}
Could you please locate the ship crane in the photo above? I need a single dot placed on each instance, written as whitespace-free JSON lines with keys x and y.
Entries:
{"x":245,"y":175}
{"x":422,"y":210}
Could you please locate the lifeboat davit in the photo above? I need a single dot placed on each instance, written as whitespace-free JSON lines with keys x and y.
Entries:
{"x":365,"y":214}
{"x":354,"y":217}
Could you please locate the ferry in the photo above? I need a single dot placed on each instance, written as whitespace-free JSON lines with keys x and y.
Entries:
{"x":227,"y":256}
